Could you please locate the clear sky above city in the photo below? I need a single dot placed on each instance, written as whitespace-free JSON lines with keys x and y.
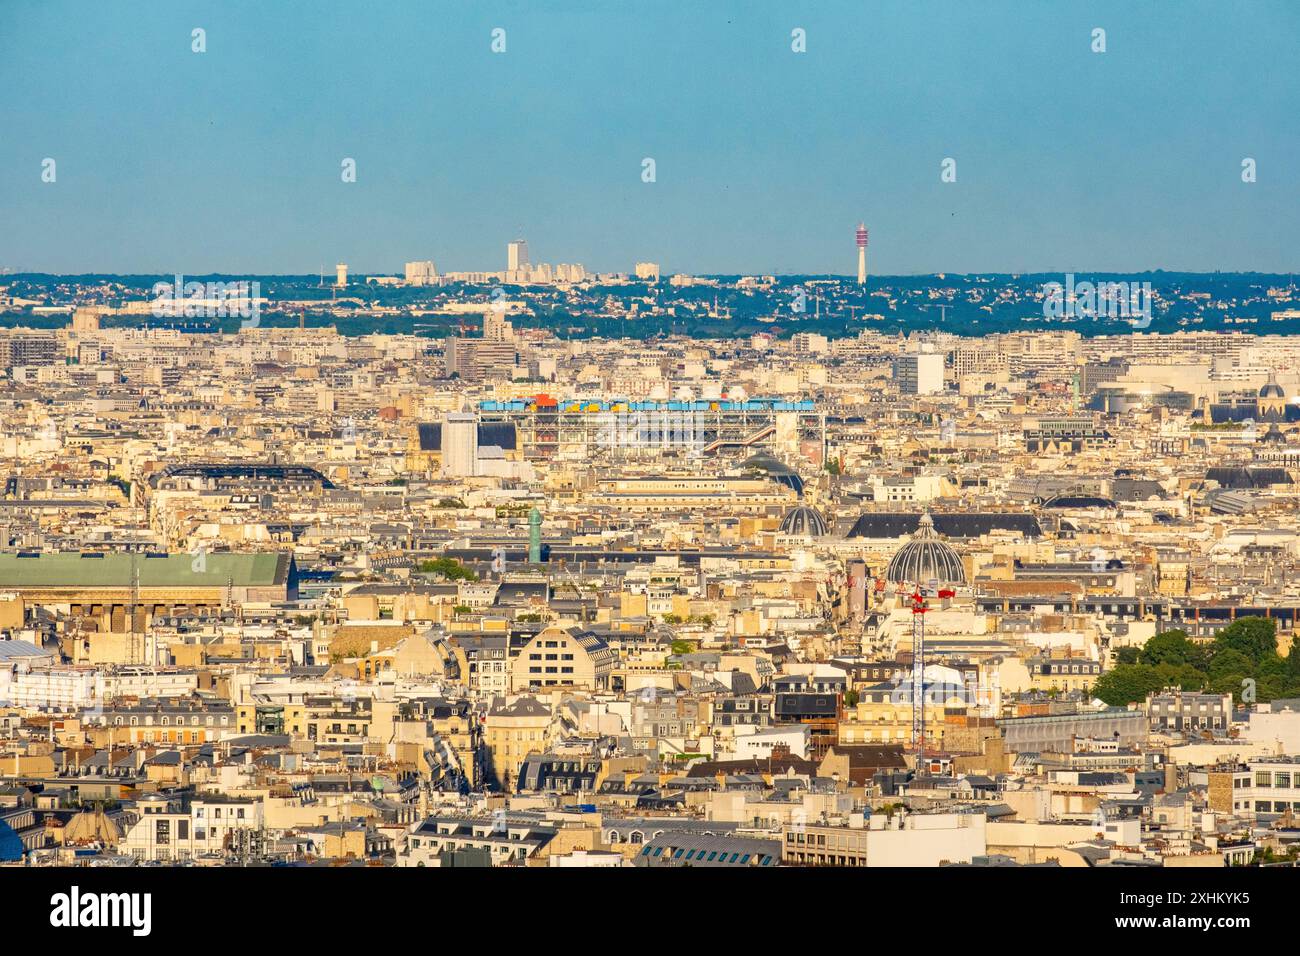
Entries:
{"x":765,"y":159}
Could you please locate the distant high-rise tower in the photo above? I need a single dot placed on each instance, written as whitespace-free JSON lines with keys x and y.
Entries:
{"x":862,"y":253}
{"x":85,"y":319}
{"x":517,"y":255}
{"x":496,"y":327}
{"x":341,"y":274}
{"x":421,"y":273}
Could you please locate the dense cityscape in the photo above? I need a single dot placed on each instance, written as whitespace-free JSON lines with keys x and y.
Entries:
{"x":494,"y":595}
{"x":793,"y":454}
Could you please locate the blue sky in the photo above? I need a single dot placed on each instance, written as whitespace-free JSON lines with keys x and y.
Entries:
{"x":229,"y":160}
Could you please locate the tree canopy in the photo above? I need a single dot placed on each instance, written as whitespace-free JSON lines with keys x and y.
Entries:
{"x":1242,"y":661}
{"x":449,"y":568}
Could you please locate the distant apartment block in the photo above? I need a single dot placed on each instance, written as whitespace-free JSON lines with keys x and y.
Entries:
{"x":27,"y":347}
{"x":919,"y":373}
{"x":421,"y":273}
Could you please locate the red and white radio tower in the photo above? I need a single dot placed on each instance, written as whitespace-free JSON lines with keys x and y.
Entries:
{"x":862,"y":253}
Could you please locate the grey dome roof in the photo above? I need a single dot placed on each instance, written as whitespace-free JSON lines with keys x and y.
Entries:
{"x":925,"y":558}
{"x":768,"y":463}
{"x":1079,"y":501}
{"x":775,"y":469}
{"x":1273,"y":436}
{"x":1272,"y":389}
{"x":805,"y":521}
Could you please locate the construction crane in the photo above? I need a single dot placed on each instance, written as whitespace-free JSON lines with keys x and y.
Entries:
{"x":919,"y":607}
{"x":943,"y":311}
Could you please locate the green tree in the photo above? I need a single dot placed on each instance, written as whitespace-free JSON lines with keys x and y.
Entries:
{"x":1173,"y":647}
{"x":1272,"y":667}
{"x":1229,"y":662}
{"x":1232,"y":684}
{"x":449,"y":568}
{"x":1293,"y":659}
{"x":1127,"y":655}
{"x":1181,"y":675}
{"x":1256,"y":637}
{"x":1268,"y":687}
{"x":1127,"y":684}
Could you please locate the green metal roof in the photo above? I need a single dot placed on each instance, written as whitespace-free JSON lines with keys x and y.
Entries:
{"x":73,"y":569}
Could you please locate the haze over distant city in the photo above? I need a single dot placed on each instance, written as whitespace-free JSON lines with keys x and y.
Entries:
{"x":765,"y":158}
